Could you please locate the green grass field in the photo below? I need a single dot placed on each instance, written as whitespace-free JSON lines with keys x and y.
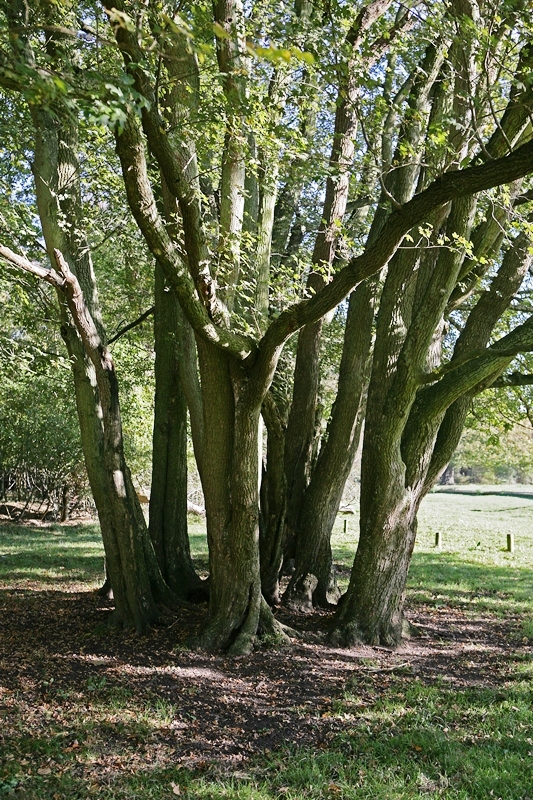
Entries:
{"x":449,"y":716}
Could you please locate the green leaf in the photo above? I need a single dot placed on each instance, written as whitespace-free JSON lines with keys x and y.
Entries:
{"x":220,"y":32}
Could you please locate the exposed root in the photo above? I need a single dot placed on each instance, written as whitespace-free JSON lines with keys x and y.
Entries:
{"x":350,"y":634}
{"x":299,"y":595}
{"x":271,"y":630}
{"x":243,"y":645}
{"x":105,"y":590}
{"x":347,"y":635}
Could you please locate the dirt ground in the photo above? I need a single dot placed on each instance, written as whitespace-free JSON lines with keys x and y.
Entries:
{"x":60,"y":663}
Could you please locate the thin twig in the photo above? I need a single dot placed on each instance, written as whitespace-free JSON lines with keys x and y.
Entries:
{"x":131,"y":325}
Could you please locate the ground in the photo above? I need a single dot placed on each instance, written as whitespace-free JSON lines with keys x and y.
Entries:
{"x":85,"y":711}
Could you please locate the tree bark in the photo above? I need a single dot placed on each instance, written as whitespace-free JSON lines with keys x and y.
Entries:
{"x":132,"y":569}
{"x":168,"y":496}
{"x":273,"y":499}
{"x":301,"y":427}
{"x":399,"y":467}
{"x":313,"y":581}
{"x":237,"y":614}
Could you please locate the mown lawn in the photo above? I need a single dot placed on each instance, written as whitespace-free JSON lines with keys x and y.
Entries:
{"x":86,"y":712}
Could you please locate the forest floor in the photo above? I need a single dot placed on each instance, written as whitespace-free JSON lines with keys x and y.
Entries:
{"x":85,"y":711}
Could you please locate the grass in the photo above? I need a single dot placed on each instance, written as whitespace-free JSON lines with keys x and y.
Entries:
{"x":472,"y":569}
{"x":399,"y":729}
{"x":48,"y":557}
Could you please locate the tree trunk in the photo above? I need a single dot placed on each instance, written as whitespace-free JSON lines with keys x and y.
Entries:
{"x":372,"y":609}
{"x":168,"y":496}
{"x":313,"y":581}
{"x":133,"y":571}
{"x":412,"y":430}
{"x":237,"y":614}
{"x":448,"y":476}
{"x":273,"y":499}
{"x":301,"y":428}
{"x":132,"y":568}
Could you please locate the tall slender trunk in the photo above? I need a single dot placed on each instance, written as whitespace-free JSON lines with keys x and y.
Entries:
{"x":168,"y":497}
{"x":136,"y":581}
{"x":237,"y":613}
{"x":130,"y":559}
{"x":301,"y":425}
{"x":313,"y":581}
{"x":273,"y":499}
{"x":412,"y":429}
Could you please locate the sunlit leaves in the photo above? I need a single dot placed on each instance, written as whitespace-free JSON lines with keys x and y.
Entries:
{"x":277,"y":55}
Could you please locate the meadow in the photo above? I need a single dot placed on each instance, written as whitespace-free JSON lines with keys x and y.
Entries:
{"x":85,"y":711}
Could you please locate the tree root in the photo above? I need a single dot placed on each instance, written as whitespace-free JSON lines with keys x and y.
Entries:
{"x":299,"y":595}
{"x":350,"y":634}
{"x":105,"y":590}
{"x":272,"y":631}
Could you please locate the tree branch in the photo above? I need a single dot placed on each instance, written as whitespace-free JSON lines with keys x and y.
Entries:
{"x":130,"y":149}
{"x":131,"y":325}
{"x":512,"y":379}
{"x":49,"y":275}
{"x":450,"y":186}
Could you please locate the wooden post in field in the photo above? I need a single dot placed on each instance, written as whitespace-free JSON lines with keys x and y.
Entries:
{"x":438,"y":540}
{"x":510,"y":542}
{"x":345,"y":526}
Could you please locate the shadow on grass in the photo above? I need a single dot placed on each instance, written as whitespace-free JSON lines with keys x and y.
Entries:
{"x":418,"y":741}
{"x":457,"y":579}
{"x":51,"y":554}
{"x":486,"y":493}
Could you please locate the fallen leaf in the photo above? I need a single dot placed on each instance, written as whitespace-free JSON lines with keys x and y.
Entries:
{"x":44,"y":771}
{"x":175,"y":788}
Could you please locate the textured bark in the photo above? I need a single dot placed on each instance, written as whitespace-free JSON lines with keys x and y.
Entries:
{"x":304,"y":512}
{"x":139,"y":584}
{"x":408,"y":334}
{"x":168,"y":497}
{"x":372,"y":609}
{"x":411,"y":430}
{"x":233,"y":610}
{"x":476,"y":335}
{"x":229,"y":15}
{"x":301,"y":425}
{"x":259,"y":360}
{"x":301,"y":428}
{"x":322,"y":498}
{"x":237,"y":615}
{"x":131,"y":563}
{"x":132,"y":569}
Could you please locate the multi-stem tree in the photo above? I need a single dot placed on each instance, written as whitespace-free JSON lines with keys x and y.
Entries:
{"x":411,"y":116}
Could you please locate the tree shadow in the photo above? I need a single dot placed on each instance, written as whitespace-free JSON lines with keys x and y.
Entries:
{"x":485,"y":493}
{"x":455,"y":579}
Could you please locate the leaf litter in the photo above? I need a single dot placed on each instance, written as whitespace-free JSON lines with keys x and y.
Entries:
{"x":78,"y":698}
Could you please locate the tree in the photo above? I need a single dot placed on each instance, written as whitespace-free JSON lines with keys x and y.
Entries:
{"x":418,"y":399}
{"x":135,"y":578}
{"x":209,"y":126}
